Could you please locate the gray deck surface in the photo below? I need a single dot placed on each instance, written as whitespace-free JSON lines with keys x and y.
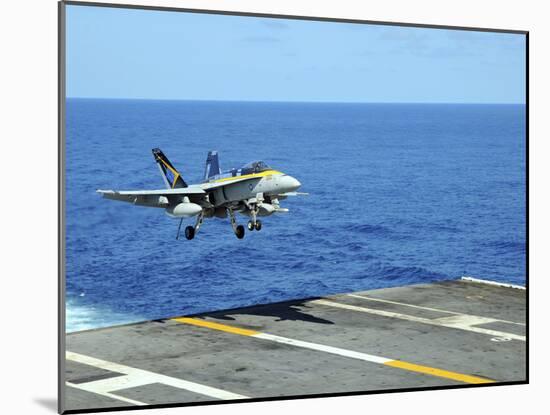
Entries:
{"x":448,"y":333}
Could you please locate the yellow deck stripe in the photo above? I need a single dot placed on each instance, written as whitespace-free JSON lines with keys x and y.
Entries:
{"x":216,"y":326}
{"x":427,"y":370}
{"x":437,"y":372}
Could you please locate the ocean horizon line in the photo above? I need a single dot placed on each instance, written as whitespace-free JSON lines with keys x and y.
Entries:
{"x":296,"y":101}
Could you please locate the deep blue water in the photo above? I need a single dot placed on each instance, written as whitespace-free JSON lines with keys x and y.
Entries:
{"x":399,"y":194}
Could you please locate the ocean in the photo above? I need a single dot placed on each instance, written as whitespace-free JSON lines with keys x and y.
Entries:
{"x":398,"y":194}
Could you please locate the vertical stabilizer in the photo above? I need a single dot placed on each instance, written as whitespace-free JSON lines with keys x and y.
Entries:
{"x":172,"y":178}
{"x":212,"y":165}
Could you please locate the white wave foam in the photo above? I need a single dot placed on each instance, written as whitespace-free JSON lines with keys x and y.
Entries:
{"x":80,"y":317}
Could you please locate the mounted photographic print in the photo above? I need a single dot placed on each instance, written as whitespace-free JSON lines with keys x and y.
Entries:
{"x":258,"y":207}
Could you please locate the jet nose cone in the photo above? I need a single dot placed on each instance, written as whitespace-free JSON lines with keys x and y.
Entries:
{"x":292,"y":184}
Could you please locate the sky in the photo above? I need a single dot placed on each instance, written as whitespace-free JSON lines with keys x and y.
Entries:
{"x":144,"y":54}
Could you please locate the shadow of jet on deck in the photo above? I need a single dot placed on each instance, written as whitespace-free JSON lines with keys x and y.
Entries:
{"x":288,"y":310}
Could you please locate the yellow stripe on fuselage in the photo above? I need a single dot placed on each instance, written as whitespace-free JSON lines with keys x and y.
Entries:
{"x":248,"y":176}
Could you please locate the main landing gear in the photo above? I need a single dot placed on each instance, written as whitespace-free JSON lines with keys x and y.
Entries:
{"x":254,"y":223}
{"x":251,"y":225}
{"x":238,"y":229}
{"x":190,"y":231}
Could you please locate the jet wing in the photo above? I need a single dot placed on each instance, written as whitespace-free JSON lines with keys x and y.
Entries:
{"x":152,"y":198}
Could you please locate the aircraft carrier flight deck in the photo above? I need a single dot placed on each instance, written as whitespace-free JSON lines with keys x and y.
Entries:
{"x":458,"y":332}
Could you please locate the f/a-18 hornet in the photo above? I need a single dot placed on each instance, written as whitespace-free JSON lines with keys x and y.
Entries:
{"x":253,"y":190}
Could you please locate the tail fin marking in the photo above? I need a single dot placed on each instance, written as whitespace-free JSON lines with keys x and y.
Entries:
{"x":172,"y":178}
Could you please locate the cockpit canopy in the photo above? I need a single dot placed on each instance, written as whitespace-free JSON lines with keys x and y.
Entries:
{"x":254,"y":167}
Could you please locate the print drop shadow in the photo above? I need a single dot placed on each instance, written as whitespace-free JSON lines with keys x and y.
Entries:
{"x":48,"y":403}
{"x":287,"y":310}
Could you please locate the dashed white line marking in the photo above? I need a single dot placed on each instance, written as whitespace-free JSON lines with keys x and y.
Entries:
{"x":382,"y":300}
{"x":438,"y":310}
{"x":133,"y":377}
{"x":461,"y":322}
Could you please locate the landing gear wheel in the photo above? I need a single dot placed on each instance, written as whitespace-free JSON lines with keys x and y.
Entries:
{"x":189,"y":232}
{"x":258,"y":225}
{"x":250,"y":225}
{"x":239,"y":231}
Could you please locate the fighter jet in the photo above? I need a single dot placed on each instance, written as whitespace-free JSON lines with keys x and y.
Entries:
{"x":253,"y":190}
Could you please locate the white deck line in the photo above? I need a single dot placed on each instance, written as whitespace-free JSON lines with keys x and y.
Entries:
{"x":139,"y":377}
{"x":382,"y":300}
{"x":323,"y":348}
{"x":107,"y":394}
{"x":495,"y":283}
{"x":461,"y":322}
{"x":395,"y":363}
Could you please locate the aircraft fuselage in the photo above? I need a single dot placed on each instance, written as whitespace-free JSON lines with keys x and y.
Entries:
{"x":268,"y":183}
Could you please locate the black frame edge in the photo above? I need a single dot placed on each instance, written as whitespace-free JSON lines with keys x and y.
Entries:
{"x":61,"y":206}
{"x":292,"y":397}
{"x":292,"y":17}
{"x":61,"y":202}
{"x":527,"y":285}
